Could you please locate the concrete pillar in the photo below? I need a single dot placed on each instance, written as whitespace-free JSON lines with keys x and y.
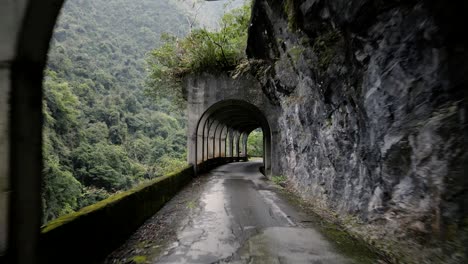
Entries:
{"x":245,"y":136}
{"x":4,"y":155}
{"x":231,"y":142}
{"x":211,"y":139}
{"x":226,"y":143}
{"x":206,"y":131}
{"x":234,"y":151}
{"x":267,"y":152}
{"x":199,"y":146}
{"x":237,"y":144}
{"x":217,"y":140}
{"x":241,"y":145}
{"x":11,"y":18}
{"x":221,"y":139}
{"x":222,"y":142}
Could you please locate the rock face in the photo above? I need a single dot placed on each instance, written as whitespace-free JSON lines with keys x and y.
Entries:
{"x":373,"y":108}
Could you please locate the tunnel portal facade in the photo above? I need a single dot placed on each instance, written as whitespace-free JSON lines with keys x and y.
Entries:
{"x":222,"y":112}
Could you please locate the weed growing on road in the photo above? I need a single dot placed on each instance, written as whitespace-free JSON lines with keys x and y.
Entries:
{"x":279,"y":180}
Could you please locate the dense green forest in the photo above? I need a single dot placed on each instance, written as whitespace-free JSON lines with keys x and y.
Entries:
{"x":255,"y":143}
{"x":104,"y":130}
{"x":102,"y":134}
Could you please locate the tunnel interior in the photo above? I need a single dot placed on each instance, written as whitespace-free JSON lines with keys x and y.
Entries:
{"x":223,"y":130}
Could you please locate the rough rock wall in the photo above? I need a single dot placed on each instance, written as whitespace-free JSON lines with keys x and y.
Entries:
{"x":373,"y":100}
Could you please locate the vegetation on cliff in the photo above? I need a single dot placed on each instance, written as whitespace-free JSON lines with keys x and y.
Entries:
{"x":201,"y":50}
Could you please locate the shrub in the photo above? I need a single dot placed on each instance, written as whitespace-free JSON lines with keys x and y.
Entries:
{"x":200,"y":51}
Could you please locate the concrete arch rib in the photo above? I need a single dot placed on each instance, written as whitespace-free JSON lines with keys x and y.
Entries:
{"x":26,"y":30}
{"x":226,"y":125}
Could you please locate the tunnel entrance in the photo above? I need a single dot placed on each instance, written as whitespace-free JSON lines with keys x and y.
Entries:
{"x":223,"y":130}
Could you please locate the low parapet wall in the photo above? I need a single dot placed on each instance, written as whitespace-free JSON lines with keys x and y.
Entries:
{"x":90,"y":234}
{"x":212,"y":163}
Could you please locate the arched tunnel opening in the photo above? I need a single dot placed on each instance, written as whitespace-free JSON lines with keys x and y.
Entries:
{"x":223,"y":130}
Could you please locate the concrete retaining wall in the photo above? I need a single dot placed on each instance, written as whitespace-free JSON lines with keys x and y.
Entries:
{"x":90,"y":234}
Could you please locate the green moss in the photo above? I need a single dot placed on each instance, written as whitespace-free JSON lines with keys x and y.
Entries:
{"x":305,"y":41}
{"x":349,"y":246}
{"x":279,"y":180}
{"x":328,"y":122}
{"x":356,"y":249}
{"x":296,"y":52}
{"x":191,"y":205}
{"x":290,"y":10}
{"x":139,"y":259}
{"x":104,"y":203}
{"x":326,"y":46}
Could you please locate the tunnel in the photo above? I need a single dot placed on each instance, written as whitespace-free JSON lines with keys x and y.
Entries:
{"x":223,"y":129}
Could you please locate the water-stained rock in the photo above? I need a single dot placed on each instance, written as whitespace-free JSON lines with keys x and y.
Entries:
{"x":373,"y":110}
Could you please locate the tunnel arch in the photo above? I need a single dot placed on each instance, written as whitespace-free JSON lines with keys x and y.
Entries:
{"x":27,"y":27}
{"x":237,"y":119}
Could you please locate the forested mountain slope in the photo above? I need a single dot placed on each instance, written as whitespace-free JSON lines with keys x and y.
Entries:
{"x":102,"y":133}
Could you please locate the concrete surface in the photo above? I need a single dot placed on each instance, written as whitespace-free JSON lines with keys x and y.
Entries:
{"x":238,"y":106}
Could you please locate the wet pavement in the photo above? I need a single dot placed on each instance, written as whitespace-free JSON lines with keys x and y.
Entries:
{"x":234,"y":215}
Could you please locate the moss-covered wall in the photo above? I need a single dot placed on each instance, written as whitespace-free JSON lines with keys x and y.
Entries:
{"x":90,"y":234}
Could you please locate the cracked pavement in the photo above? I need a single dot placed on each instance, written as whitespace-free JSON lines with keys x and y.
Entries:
{"x":233,"y":214}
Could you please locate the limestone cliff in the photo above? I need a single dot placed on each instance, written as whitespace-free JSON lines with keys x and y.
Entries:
{"x":373,"y":113}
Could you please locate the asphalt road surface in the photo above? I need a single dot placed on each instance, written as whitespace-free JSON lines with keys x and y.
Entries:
{"x":243,"y":221}
{"x":233,"y":215}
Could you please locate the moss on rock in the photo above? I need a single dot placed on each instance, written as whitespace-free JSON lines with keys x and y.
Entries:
{"x":139,"y":259}
{"x":326,"y":46}
{"x":290,"y":10}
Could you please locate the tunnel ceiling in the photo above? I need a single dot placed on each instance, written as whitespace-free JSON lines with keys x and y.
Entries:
{"x":223,"y":129}
{"x":236,"y":115}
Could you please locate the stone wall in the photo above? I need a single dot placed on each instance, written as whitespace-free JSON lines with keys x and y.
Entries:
{"x":373,"y":112}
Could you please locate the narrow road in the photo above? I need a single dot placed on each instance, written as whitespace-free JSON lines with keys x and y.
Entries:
{"x":234,"y":216}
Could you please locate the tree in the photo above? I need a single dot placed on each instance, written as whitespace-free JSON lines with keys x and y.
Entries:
{"x":255,"y":143}
{"x":61,"y":191}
